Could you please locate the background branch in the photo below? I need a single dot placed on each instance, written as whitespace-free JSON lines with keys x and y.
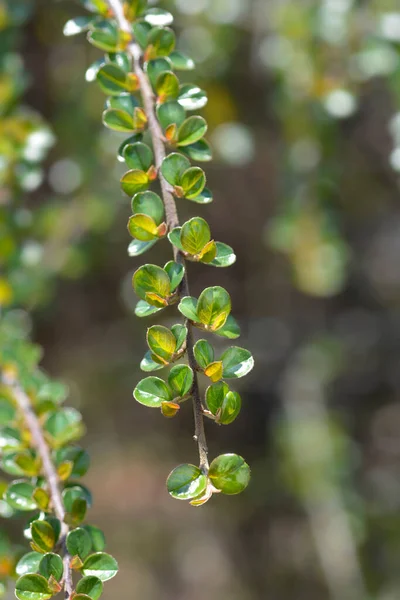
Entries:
{"x":48,"y":469}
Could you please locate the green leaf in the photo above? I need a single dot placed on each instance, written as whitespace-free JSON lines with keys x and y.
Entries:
{"x":150,"y":204}
{"x":229,"y":473}
{"x":121,"y":59}
{"x":141,"y":30}
{"x":151,"y":279}
{"x":148,"y":364}
{"x":170,"y":113}
{"x":43,"y":535}
{"x":191,"y":131}
{"x":208,"y":254}
{"x":180,"y":333}
{"x":77,"y":25}
{"x":192,"y":182}
{"x":113,"y":80}
{"x":132,"y":139}
{"x":204,"y":198}
{"x":203,"y":353}
{"x":134,"y":181}
{"x":192,"y":97}
{"x":51,"y":564}
{"x":19,"y":463}
{"x":19,"y":495}
{"x":76,"y":499}
{"x":180,"y":380}
{"x":161,"y":342}
{"x":188,"y":308}
{"x":136,"y":247}
{"x":79,"y":543}
{"x":213,"y":307}
{"x":225,"y":256}
{"x":118,"y":120}
{"x":143,"y":228}
{"x":174,"y":237}
{"x":105,"y":37}
{"x":152,"y":392}
{"x":155,"y":68}
{"x":222,"y":403}
{"x":55,"y":523}
{"x":195,"y":234}
{"x":181,"y":62}
{"x":79,"y":457}
{"x":158,"y":17}
{"x":199,"y":151}
{"x":97,"y":537}
{"x":7,"y":412}
{"x":124,"y":102}
{"x":230,"y":329}
{"x":176,"y":273}
{"x":100,"y":565}
{"x":173,"y":168}
{"x":10,"y":439}
{"x":53,"y":391}
{"x":167,"y":86}
{"x":135,"y":8}
{"x":41,"y":498}
{"x":63,"y":426}
{"x":160,"y":42}
{"x":32,"y":587}
{"x":237,"y":362}
{"x":138,"y":156}
{"x":144,"y":309}
{"x":90,"y":586}
{"x":29,"y":563}
{"x":186,"y":482}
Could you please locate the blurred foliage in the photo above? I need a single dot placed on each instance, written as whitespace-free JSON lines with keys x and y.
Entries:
{"x":43,"y":465}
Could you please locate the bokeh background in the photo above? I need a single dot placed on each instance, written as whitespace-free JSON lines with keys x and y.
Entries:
{"x":303,"y":113}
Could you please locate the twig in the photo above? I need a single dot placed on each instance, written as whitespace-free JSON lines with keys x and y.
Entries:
{"x":172,"y":218}
{"x":48,"y":469}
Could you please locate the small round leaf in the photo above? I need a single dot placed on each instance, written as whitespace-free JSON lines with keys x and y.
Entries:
{"x":151,"y":279}
{"x":152,"y":392}
{"x":100,"y":565}
{"x":51,"y":565}
{"x":90,"y":586}
{"x":186,"y":482}
{"x":180,"y":380}
{"x":191,"y":131}
{"x":195,"y":234}
{"x":229,"y":473}
{"x":79,"y":543}
{"x":173,"y":167}
{"x":32,"y":587}
{"x":29,"y":563}
{"x":237,"y":362}
{"x":213,"y":307}
{"x":19,"y":496}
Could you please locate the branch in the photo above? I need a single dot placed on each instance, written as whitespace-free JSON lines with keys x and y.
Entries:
{"x":48,"y":469}
{"x":172,"y":218}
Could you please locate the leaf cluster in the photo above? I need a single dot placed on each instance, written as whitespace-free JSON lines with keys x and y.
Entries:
{"x":54,"y":542}
{"x":127,"y":82}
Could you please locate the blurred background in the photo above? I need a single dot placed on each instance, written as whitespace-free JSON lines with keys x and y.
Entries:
{"x":304,"y":116}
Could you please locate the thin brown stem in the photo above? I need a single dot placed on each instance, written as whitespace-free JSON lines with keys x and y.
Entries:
{"x":171,"y":214}
{"x":49,"y":471}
